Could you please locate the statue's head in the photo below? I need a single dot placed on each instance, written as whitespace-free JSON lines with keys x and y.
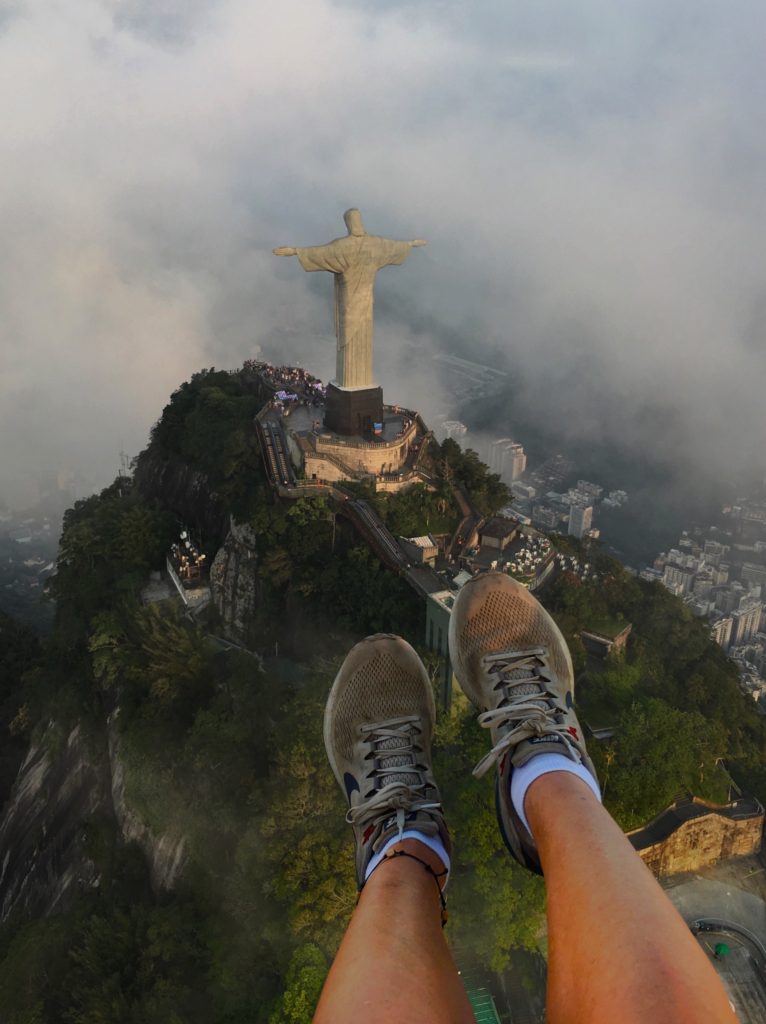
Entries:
{"x":353,"y":219}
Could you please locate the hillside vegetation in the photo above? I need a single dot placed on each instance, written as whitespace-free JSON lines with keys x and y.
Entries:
{"x":225,"y":748}
{"x":673,"y":697}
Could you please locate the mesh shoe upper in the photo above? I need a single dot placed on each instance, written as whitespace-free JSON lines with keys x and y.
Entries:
{"x":494,"y":613}
{"x":378,"y":726}
{"x":514,"y":665}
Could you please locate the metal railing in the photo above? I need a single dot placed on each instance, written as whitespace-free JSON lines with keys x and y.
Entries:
{"x":333,"y":439}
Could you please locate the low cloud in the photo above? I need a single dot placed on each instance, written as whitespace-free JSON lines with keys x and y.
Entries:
{"x":589,"y":182}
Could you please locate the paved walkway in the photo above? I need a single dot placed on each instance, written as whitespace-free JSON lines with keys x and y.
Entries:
{"x":733,"y":892}
{"x":741,"y":974}
{"x":704,"y":897}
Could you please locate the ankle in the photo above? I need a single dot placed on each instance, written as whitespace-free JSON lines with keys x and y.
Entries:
{"x":424,"y":853}
{"x":429,"y":849}
{"x":412,"y":867}
{"x":525,"y":783}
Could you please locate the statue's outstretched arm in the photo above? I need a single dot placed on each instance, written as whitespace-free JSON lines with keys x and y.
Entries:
{"x":285,"y":250}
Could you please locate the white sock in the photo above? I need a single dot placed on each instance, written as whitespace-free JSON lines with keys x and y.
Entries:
{"x":432,"y":842}
{"x":522,"y":778}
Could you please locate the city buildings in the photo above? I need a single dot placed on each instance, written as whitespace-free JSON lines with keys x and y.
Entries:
{"x":746,"y":620}
{"x":552,"y":473}
{"x":580,"y":520}
{"x":722,"y":578}
{"x":524,"y":491}
{"x":720,"y":631}
{"x":593,"y":491}
{"x":546,"y":518}
{"x":715,"y":552}
{"x":507,"y":459}
{"x":755,"y":574}
{"x":679,"y":573}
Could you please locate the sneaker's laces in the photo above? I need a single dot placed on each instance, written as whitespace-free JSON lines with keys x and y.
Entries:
{"x":527,"y":704}
{"x":399,"y":781}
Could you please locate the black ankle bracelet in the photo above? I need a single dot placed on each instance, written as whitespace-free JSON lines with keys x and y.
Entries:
{"x":390,"y":854}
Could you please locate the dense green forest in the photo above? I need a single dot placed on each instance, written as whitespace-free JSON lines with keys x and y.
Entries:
{"x":224,"y":747}
{"x":682,"y":722}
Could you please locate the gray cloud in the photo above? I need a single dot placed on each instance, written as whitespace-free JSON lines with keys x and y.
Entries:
{"x":167,"y":23}
{"x":589,"y":181}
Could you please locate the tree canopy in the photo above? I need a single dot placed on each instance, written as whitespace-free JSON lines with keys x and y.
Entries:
{"x":223,"y":747}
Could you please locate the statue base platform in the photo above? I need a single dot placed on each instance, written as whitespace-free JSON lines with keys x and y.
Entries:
{"x":353,"y":411}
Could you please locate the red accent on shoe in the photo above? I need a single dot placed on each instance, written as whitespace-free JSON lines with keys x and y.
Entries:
{"x":573,"y":732}
{"x":367,"y":833}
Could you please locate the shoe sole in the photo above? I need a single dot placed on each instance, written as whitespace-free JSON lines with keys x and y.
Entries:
{"x":337,"y":688}
{"x":524,"y":597}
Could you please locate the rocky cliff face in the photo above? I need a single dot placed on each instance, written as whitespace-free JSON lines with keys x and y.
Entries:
{"x":42,"y":832}
{"x":186,"y":492}
{"x":165,"y":854}
{"x":43,"y":826}
{"x":233,"y":580}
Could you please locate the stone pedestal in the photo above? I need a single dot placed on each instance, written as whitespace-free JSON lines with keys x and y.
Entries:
{"x":352,"y":411}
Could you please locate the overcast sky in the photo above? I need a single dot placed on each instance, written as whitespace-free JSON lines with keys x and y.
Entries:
{"x":589,"y":177}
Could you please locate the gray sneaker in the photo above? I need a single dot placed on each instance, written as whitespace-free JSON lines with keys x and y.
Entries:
{"x":513,"y":664}
{"x":378,"y":725}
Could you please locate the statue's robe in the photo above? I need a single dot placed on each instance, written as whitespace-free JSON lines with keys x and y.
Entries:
{"x":354,"y":260}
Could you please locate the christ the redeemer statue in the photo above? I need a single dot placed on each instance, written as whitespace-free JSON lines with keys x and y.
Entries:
{"x":354,"y":260}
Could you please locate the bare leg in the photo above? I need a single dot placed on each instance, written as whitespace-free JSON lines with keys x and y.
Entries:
{"x":618,"y":949}
{"x":394,"y":964}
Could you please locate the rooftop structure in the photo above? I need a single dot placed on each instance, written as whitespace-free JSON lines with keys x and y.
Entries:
{"x":420,"y":550}
{"x":301,"y":451}
{"x":498,"y":533}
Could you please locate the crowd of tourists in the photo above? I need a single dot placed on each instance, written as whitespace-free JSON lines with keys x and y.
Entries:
{"x":287,"y":376}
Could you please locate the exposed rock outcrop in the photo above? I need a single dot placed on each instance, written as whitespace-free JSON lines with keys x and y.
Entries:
{"x":165,"y":854}
{"x":185,"y":491}
{"x":233,"y":580}
{"x":42,"y":835}
{"x":43,"y":828}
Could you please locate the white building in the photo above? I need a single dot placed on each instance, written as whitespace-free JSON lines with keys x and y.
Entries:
{"x":678,"y":578}
{"x":454,"y":429}
{"x":580,"y":520}
{"x":524,"y":491}
{"x":507,"y":459}
{"x":746,"y":621}
{"x":715,"y":553}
